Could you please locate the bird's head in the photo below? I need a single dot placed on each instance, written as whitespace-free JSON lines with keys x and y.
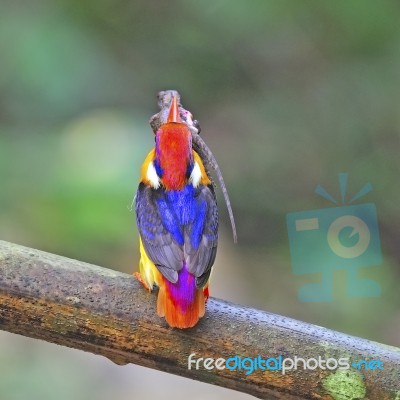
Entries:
{"x":171,"y":122}
{"x":166,"y":100}
{"x":173,"y":157}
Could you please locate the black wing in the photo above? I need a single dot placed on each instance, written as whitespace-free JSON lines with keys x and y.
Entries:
{"x":159,"y":244}
{"x":168,"y":242}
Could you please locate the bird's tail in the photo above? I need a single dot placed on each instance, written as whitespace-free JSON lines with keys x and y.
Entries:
{"x":181,"y":303}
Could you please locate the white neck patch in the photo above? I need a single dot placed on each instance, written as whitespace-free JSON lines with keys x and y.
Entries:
{"x":195,"y":176}
{"x":152,"y":176}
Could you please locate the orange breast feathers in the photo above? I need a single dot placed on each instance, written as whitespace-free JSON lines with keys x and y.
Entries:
{"x":149,"y":176}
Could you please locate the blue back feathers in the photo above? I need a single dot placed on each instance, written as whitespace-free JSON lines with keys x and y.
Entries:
{"x":181,"y":210}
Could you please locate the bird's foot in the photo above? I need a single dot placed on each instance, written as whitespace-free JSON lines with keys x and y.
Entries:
{"x":140,"y":279}
{"x":206,"y":294}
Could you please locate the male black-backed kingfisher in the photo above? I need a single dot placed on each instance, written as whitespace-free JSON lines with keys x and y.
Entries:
{"x":177,"y":218}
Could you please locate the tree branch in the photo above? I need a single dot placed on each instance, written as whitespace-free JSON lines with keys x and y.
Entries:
{"x":87,"y":307}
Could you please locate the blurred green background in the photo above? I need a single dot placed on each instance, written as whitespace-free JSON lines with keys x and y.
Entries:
{"x":288,"y":94}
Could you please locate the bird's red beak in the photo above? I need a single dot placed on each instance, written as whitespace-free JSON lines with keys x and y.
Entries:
{"x":173,"y":115}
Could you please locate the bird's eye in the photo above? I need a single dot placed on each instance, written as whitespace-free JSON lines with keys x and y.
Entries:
{"x":197,"y":125}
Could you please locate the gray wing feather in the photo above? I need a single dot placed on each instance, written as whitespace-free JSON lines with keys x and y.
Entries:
{"x":200,"y":260}
{"x":163,"y":250}
{"x":166,"y":254}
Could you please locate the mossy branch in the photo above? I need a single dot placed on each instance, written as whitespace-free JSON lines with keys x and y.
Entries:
{"x":105,"y":312}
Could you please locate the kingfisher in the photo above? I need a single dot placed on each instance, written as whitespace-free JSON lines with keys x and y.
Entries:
{"x":177,"y":218}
